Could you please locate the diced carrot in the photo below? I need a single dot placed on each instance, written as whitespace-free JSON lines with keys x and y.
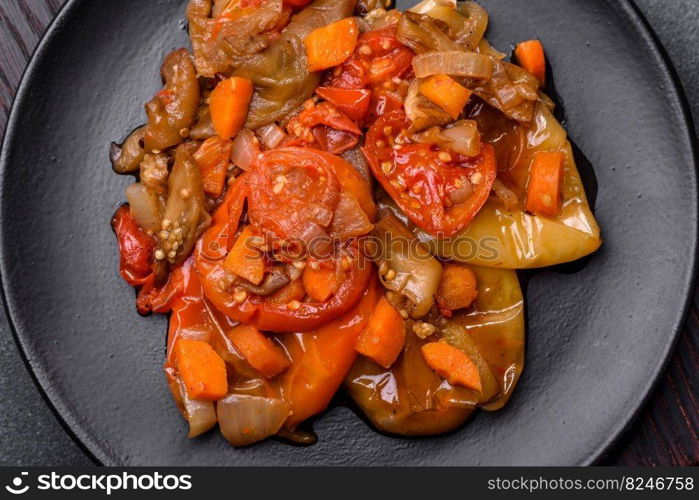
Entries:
{"x":244,"y":259}
{"x":384,"y":335}
{"x":457,"y":289}
{"x":530,"y":55}
{"x":228,"y":104}
{"x":202,"y":370}
{"x":292,"y":291}
{"x":352,"y":102}
{"x":213,"y":157}
{"x":321,"y":283}
{"x":453,"y":364}
{"x":446,"y":93}
{"x":332,"y":44}
{"x":259,"y":351}
{"x":544,"y":187}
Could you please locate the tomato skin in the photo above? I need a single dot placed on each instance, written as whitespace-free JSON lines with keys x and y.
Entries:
{"x":388,"y":58}
{"x":327,"y":114}
{"x":303,"y":207}
{"x":334,"y":141}
{"x":275,"y":212}
{"x":297,"y":3}
{"x":384,"y":102}
{"x":135,"y":247}
{"x":352,"y":102}
{"x":420,"y":183}
{"x":333,"y":130}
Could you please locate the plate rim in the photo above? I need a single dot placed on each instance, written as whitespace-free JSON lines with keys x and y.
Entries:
{"x":91,"y":446}
{"x":676,"y":88}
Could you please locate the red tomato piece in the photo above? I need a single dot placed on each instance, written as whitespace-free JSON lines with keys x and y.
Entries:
{"x":384,"y":102}
{"x":293,"y":193}
{"x":425,"y":186}
{"x":135,"y":247}
{"x":352,"y":102}
{"x":379,"y":56}
{"x":334,"y":141}
{"x":325,"y":123}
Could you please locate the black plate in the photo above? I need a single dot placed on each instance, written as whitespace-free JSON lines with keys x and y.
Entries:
{"x":597,"y":339}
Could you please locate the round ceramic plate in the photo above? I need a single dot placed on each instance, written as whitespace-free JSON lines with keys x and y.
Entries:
{"x":597,"y":338}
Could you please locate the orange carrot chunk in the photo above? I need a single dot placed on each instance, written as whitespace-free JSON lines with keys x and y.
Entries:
{"x":457,"y":290}
{"x":384,"y":335}
{"x":530,"y":55}
{"x":213,"y":157}
{"x":228,"y":104}
{"x":245,"y":259}
{"x":544,"y":188}
{"x":444,"y":92}
{"x":259,"y":351}
{"x":321,"y":283}
{"x":452,"y":364}
{"x":332,"y":44}
{"x":202,"y":370}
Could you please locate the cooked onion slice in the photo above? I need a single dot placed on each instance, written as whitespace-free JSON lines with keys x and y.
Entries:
{"x":146,"y":206}
{"x":245,"y":419}
{"x":349,"y":219}
{"x":200,"y":414}
{"x":271,"y":135}
{"x":462,"y":138}
{"x":244,"y":149}
{"x":505,"y":194}
{"x":455,"y":63}
{"x":422,"y":35}
{"x":427,"y":5}
{"x":511,"y":90}
{"x":471,"y":33}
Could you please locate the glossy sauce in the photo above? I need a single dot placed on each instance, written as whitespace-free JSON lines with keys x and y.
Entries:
{"x":410,"y":399}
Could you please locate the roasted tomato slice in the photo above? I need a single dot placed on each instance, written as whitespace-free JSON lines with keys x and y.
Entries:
{"x":439,"y":191}
{"x":291,"y":194}
{"x":379,"y":56}
{"x":135,"y":247}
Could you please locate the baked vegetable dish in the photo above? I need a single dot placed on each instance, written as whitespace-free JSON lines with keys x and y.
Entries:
{"x":334,"y":196}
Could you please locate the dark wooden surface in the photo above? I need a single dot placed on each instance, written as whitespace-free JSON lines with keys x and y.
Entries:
{"x":664,"y":434}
